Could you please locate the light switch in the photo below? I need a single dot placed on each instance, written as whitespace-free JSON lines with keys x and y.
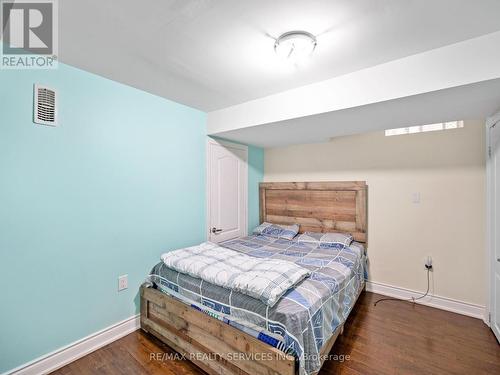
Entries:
{"x":415,"y":198}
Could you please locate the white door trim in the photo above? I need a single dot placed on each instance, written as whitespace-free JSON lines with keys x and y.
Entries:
{"x":237,"y":146}
{"x":490,"y":233}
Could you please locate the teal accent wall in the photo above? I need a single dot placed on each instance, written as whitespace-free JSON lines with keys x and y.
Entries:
{"x":255,"y":176}
{"x":119,"y":182}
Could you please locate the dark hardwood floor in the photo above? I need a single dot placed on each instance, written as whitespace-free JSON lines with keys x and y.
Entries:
{"x":391,"y":338}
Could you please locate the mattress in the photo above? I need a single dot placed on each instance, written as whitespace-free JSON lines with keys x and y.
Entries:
{"x":303,"y":320}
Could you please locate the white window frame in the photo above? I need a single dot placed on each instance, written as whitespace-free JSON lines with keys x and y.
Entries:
{"x":425,"y":128}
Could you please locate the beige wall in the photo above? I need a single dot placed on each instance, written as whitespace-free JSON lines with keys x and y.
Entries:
{"x":447,"y":168}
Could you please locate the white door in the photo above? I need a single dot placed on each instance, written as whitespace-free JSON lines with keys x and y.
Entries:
{"x":494,"y":167}
{"x":227,"y":190}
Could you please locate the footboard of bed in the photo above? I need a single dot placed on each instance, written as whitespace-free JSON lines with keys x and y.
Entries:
{"x":214,"y":346}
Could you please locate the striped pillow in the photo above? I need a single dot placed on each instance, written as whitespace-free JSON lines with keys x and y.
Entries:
{"x":287,"y":232}
{"x":327,"y":240}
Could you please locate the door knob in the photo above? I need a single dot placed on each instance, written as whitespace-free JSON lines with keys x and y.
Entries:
{"x":216,"y":230}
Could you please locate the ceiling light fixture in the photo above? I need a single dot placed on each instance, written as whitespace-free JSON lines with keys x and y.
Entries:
{"x":295,"y":46}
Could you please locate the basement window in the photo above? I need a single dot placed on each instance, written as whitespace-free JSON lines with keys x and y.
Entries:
{"x":425,"y":128}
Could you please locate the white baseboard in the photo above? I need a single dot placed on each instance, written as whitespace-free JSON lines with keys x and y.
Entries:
{"x":443,"y":303}
{"x":61,"y":357}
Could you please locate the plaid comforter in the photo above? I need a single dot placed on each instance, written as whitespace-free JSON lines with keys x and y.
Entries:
{"x":304,"y":318}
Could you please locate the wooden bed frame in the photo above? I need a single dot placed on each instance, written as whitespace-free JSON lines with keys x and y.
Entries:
{"x":218,"y":348}
{"x":317,"y":206}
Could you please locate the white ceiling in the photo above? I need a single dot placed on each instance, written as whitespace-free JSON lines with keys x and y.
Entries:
{"x":469,"y":102}
{"x":455,"y":82}
{"x":211,"y":54}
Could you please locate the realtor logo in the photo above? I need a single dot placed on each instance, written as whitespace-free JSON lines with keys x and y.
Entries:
{"x":29,"y":34}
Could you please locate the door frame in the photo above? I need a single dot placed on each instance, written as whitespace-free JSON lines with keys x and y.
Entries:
{"x":490,"y":230}
{"x":244,"y":148}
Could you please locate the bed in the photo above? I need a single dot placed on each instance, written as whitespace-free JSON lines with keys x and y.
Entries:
{"x":226,"y":332}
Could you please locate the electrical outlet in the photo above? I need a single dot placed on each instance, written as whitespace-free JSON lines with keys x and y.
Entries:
{"x":428,"y":263}
{"x":122,"y":282}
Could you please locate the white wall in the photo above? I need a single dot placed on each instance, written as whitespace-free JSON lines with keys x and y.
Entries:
{"x":447,"y":168}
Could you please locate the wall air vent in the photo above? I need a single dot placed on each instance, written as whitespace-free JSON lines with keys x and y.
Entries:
{"x":45,"y":110}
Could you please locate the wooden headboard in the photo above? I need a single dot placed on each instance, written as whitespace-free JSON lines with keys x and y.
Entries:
{"x":317,"y":206}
